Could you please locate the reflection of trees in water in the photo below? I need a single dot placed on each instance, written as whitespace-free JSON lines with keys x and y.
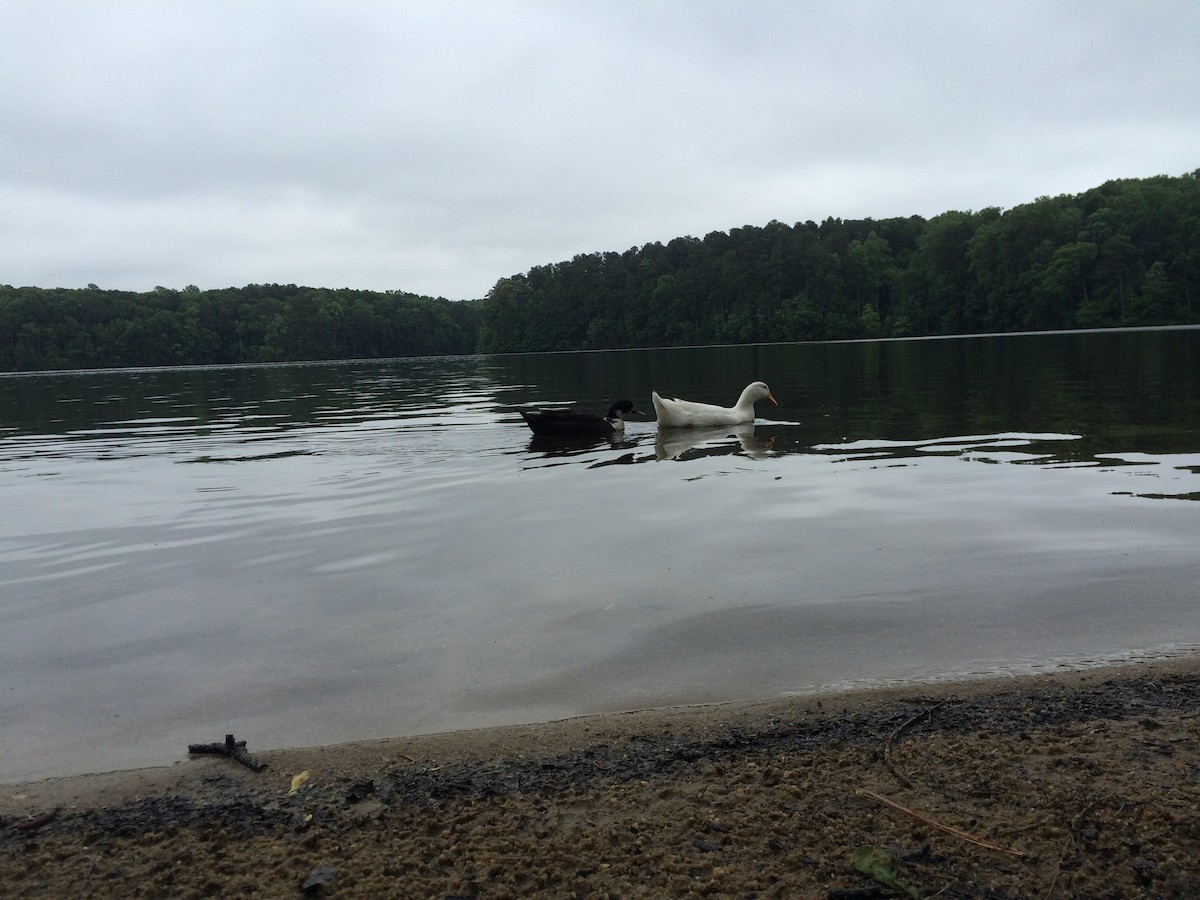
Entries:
{"x":279,"y":395}
{"x":1116,"y":392}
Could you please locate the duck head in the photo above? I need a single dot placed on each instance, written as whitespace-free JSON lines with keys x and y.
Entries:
{"x":619,"y":410}
{"x":756,"y":391}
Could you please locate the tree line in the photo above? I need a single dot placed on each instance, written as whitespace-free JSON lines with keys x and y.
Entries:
{"x":94,"y":328}
{"x":1126,"y":253}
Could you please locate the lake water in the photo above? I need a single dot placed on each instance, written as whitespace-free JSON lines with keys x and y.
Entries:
{"x":309,"y":554}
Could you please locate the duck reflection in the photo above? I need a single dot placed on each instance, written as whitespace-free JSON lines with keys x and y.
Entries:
{"x":692,"y":443}
{"x":571,"y":445}
{"x":669,"y":444}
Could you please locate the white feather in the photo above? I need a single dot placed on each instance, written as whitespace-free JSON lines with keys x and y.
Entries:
{"x":688,"y":414}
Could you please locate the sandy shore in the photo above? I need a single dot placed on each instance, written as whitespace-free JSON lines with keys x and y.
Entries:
{"x":1083,"y":784}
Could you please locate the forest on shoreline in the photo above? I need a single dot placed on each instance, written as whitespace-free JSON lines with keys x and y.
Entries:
{"x":1126,"y":253}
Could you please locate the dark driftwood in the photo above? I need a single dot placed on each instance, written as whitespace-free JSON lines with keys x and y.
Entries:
{"x":235,"y":750}
{"x":36,"y":823}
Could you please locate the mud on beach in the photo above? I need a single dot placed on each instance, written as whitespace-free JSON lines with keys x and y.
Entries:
{"x":1082,"y":784}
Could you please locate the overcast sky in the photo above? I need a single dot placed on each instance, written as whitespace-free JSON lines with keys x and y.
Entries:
{"x":435,"y":147}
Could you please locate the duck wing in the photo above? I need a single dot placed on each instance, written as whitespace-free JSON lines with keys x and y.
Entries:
{"x":690,"y":414}
{"x":565,"y":421}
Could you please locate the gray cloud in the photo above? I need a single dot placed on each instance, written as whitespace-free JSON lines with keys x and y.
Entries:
{"x":437,"y":147}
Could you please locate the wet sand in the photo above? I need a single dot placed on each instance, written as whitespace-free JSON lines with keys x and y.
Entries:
{"x":1080,"y":784}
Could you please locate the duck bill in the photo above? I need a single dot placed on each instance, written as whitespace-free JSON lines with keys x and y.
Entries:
{"x":771,"y":400}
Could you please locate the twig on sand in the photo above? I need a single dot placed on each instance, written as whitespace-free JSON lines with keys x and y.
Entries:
{"x":887,"y":745}
{"x":969,"y":838}
{"x":235,"y":750}
{"x":36,"y":823}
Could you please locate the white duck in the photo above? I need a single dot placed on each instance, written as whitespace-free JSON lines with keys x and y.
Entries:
{"x":686,"y":414}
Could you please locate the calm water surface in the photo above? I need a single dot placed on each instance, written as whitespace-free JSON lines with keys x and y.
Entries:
{"x":317,"y":553}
